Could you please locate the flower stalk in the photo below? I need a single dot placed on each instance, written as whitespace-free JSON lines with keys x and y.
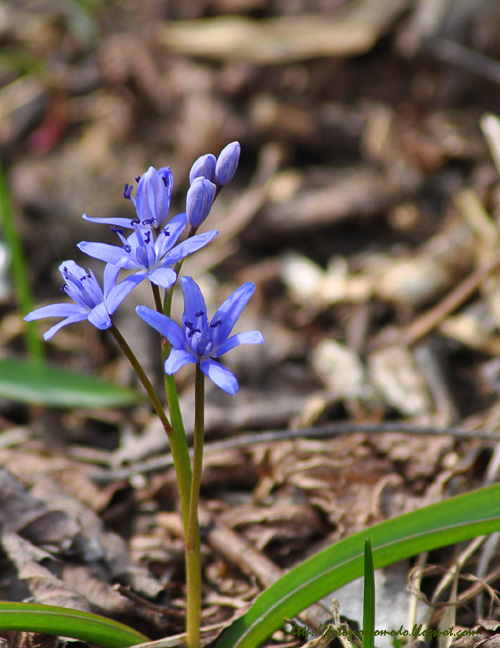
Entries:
{"x":193,"y":554}
{"x":151,"y":251}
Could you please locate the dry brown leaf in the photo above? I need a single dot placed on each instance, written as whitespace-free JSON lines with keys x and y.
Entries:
{"x":45,"y":587}
{"x":395,"y":375}
{"x":22,"y":513}
{"x":357,"y":192}
{"x":348,"y":31}
{"x":285,"y":522}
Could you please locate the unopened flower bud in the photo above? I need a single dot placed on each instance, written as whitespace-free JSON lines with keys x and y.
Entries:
{"x":204,"y":167}
{"x":200,"y":196}
{"x":227,"y":163}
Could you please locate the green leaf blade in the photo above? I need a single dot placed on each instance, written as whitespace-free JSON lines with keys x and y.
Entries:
{"x":368,"y":598}
{"x":459,"y":518}
{"x":63,"y":622}
{"x":34,"y":382}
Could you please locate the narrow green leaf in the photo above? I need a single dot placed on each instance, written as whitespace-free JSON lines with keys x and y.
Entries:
{"x":18,"y":266}
{"x":456,"y":519}
{"x":29,"y":381}
{"x":63,"y":622}
{"x":368,"y":598}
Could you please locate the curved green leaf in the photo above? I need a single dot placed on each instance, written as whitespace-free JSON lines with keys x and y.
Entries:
{"x":63,"y":622}
{"x":18,"y":267}
{"x":368,"y":598}
{"x":29,"y":381}
{"x":456,"y":519}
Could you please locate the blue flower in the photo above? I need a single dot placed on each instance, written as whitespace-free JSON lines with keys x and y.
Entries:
{"x":199,"y":340}
{"x":92,"y":303}
{"x":154,"y":191}
{"x":151,"y":257}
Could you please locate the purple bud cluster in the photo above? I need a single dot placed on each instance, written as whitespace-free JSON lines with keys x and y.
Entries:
{"x":208,"y":176}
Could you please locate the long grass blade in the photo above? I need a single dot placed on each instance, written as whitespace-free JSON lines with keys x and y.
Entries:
{"x":19,"y":271}
{"x":63,"y":622}
{"x":456,"y":519}
{"x":368,"y":598}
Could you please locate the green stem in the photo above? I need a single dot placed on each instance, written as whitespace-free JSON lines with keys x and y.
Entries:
{"x":175,"y":431}
{"x":179,"y":447}
{"x":157,"y":297}
{"x":179,"y":434}
{"x":167,"y":304}
{"x":153,"y":397}
{"x":193,"y":554}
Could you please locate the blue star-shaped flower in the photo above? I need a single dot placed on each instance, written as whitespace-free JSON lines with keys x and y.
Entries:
{"x":151,"y":257}
{"x":92,"y":303}
{"x":201,"y":341}
{"x":154,"y":191}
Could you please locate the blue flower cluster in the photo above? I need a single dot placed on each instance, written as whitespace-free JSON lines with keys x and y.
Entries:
{"x":150,"y":250}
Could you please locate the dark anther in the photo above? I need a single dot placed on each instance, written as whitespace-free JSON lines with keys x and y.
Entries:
{"x":166,"y":232}
{"x":199,"y":314}
{"x":127,"y":192}
{"x":135,"y":221}
{"x":64,"y":287}
{"x":217,"y":323}
{"x":148,"y":221}
{"x":192,"y":332}
{"x":147,"y":237}
{"x":127,"y":248}
{"x":116,"y":229}
{"x":138,"y":178}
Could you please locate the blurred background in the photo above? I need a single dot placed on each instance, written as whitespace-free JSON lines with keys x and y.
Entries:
{"x":366,"y":208}
{"x":360,"y":130}
{"x":365,"y":193}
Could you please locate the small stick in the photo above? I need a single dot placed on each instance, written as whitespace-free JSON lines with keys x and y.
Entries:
{"x":270,"y":436}
{"x":424,"y":324}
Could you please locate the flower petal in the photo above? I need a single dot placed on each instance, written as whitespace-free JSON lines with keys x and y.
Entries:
{"x":56,"y":310}
{"x":99,"y":317}
{"x":203,"y":167}
{"x":169,"y":236}
{"x":118,"y":222}
{"x":189,"y":246}
{"x":177,"y":359}
{"x":194,"y":303}
{"x":153,"y":199}
{"x":163,"y":277}
{"x":229,"y":312}
{"x":117,"y":294}
{"x":110,"y":276}
{"x":104,"y":252}
{"x":79,"y":317}
{"x":250,"y":337}
{"x":199,"y":200}
{"x":179,"y":218}
{"x":73,"y":268}
{"x":164,"y":325}
{"x":221,"y":376}
{"x":227,"y":163}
